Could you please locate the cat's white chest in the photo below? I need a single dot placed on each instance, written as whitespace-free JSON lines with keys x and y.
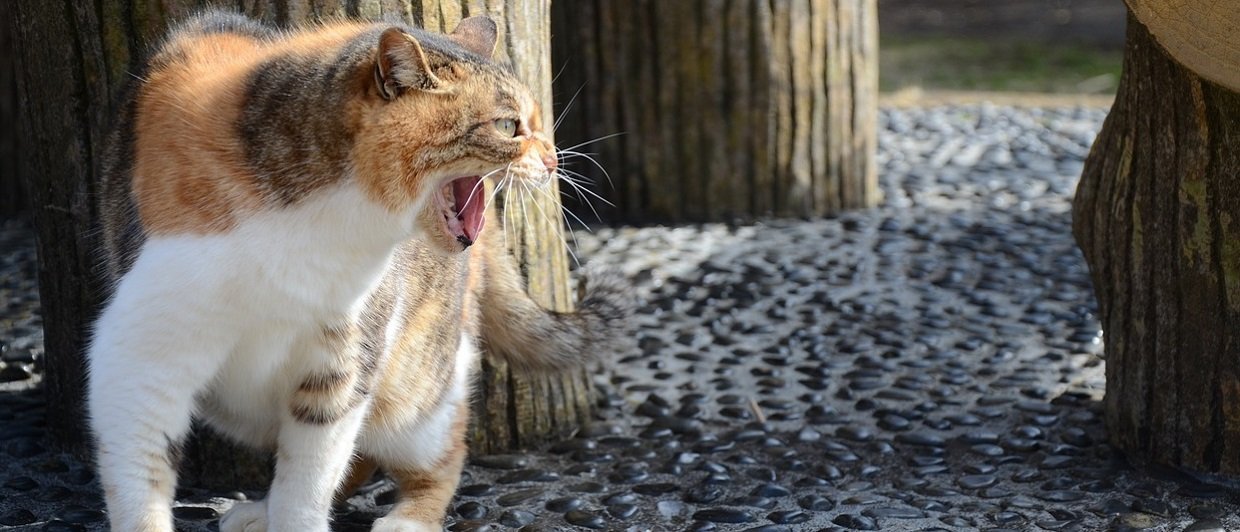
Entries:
{"x":262,"y":291}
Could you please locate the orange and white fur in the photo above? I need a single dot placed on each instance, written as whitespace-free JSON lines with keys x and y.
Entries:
{"x":292,"y":223}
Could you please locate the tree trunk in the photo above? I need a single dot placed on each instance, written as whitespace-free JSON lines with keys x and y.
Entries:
{"x":73,"y":58}
{"x":12,"y":195}
{"x":724,"y":108}
{"x":1157,"y":215}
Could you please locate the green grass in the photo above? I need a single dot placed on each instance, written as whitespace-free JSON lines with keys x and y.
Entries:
{"x":946,"y":63}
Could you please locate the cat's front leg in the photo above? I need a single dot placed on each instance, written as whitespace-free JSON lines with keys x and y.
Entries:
{"x":146,"y":365}
{"x":310,"y":465}
{"x":318,"y":429}
{"x":307,"y":471}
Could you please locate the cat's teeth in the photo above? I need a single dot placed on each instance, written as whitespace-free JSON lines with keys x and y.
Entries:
{"x":448,"y":197}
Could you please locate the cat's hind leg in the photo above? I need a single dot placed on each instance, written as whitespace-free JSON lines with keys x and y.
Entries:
{"x":424,"y":456}
{"x":427,"y":481}
{"x":360,"y":472}
{"x":146,"y":363}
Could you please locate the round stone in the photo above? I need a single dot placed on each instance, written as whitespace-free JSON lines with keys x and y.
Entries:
{"x":655,"y":489}
{"x":501,"y":461}
{"x":21,"y":483}
{"x":771,"y":490}
{"x":622,"y":511}
{"x":528,"y":475}
{"x":588,"y":519}
{"x":192,"y":513}
{"x":724,"y":515}
{"x":514,"y":498}
{"x":1206,"y":525}
{"x":703,"y":493}
{"x":57,"y":525}
{"x":516,"y":518}
{"x":894,"y":512}
{"x":856,"y":522}
{"x":81,"y":515}
{"x":921,"y":439}
{"x":471,"y":510}
{"x":17,"y":517}
{"x":976,"y":481}
{"x":788,"y":517}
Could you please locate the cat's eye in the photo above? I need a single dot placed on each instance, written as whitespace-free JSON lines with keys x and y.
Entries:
{"x":507,"y":126}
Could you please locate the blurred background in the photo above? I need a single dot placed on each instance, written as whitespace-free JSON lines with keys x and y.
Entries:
{"x":1066,"y":47}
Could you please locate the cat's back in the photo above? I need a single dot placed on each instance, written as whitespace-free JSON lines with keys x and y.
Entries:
{"x":178,"y":161}
{"x":221,"y":46}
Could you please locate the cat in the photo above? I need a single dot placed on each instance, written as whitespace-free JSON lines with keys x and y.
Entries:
{"x":292,"y":233}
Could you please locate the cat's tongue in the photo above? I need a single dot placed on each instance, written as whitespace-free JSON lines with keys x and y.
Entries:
{"x":470,"y":207}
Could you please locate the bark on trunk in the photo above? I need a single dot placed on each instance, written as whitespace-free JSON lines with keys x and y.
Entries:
{"x":725,"y":108}
{"x":1157,"y":215}
{"x":12,"y":195}
{"x":73,"y":57}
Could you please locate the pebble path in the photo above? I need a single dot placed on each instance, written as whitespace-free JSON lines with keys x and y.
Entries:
{"x":932,"y":364}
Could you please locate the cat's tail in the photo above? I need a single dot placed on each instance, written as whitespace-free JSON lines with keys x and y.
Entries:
{"x":534,"y":338}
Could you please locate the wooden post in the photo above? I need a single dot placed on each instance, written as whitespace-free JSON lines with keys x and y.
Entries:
{"x":725,"y":108}
{"x":1157,"y":215}
{"x":12,"y":195}
{"x":72,"y":61}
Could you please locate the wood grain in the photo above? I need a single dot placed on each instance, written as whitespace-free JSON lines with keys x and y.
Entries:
{"x":726,"y":109}
{"x":1203,"y":35}
{"x":1155,"y":215}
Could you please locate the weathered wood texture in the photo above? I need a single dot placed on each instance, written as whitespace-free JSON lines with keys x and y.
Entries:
{"x":12,"y":194}
{"x":724,"y":108}
{"x":1199,"y":34}
{"x":73,"y":58}
{"x":1157,"y":215}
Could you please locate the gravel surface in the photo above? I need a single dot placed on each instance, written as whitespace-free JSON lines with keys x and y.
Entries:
{"x":932,"y":364}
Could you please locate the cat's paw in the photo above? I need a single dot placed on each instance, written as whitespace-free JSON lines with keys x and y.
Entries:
{"x":397,"y":524}
{"x":245,"y":517}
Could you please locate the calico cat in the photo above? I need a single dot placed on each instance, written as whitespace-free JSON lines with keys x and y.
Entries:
{"x":292,"y":224}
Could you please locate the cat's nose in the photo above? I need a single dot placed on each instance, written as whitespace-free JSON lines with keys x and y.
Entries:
{"x":549,"y":161}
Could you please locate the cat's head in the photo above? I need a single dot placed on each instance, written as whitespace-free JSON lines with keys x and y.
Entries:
{"x":438,"y":117}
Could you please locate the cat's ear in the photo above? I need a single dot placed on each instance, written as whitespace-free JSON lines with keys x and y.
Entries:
{"x":402,"y":65}
{"x":476,"y":34}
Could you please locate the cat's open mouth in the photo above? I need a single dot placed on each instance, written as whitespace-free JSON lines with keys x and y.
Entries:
{"x":463,"y":204}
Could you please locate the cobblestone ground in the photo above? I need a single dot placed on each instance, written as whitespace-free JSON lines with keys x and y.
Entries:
{"x":933,"y":364}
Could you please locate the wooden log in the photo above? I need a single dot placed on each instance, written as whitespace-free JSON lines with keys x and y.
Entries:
{"x":726,"y":108}
{"x":72,"y":61}
{"x":1199,"y":34}
{"x":1156,"y":217}
{"x":13,"y":201}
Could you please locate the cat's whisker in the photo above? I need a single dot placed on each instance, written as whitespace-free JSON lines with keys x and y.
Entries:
{"x":507,"y":204}
{"x":559,"y":230}
{"x":499,"y":186}
{"x":574,"y":152}
{"x":505,"y":185}
{"x":560,"y":71}
{"x":564,"y":112}
{"x":581,"y":186}
{"x":592,"y":141}
{"x":567,"y":213}
{"x":585,"y":199}
{"x":574,"y":155}
{"x":481,"y":183}
{"x":525,"y":216}
{"x":594,"y":162}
